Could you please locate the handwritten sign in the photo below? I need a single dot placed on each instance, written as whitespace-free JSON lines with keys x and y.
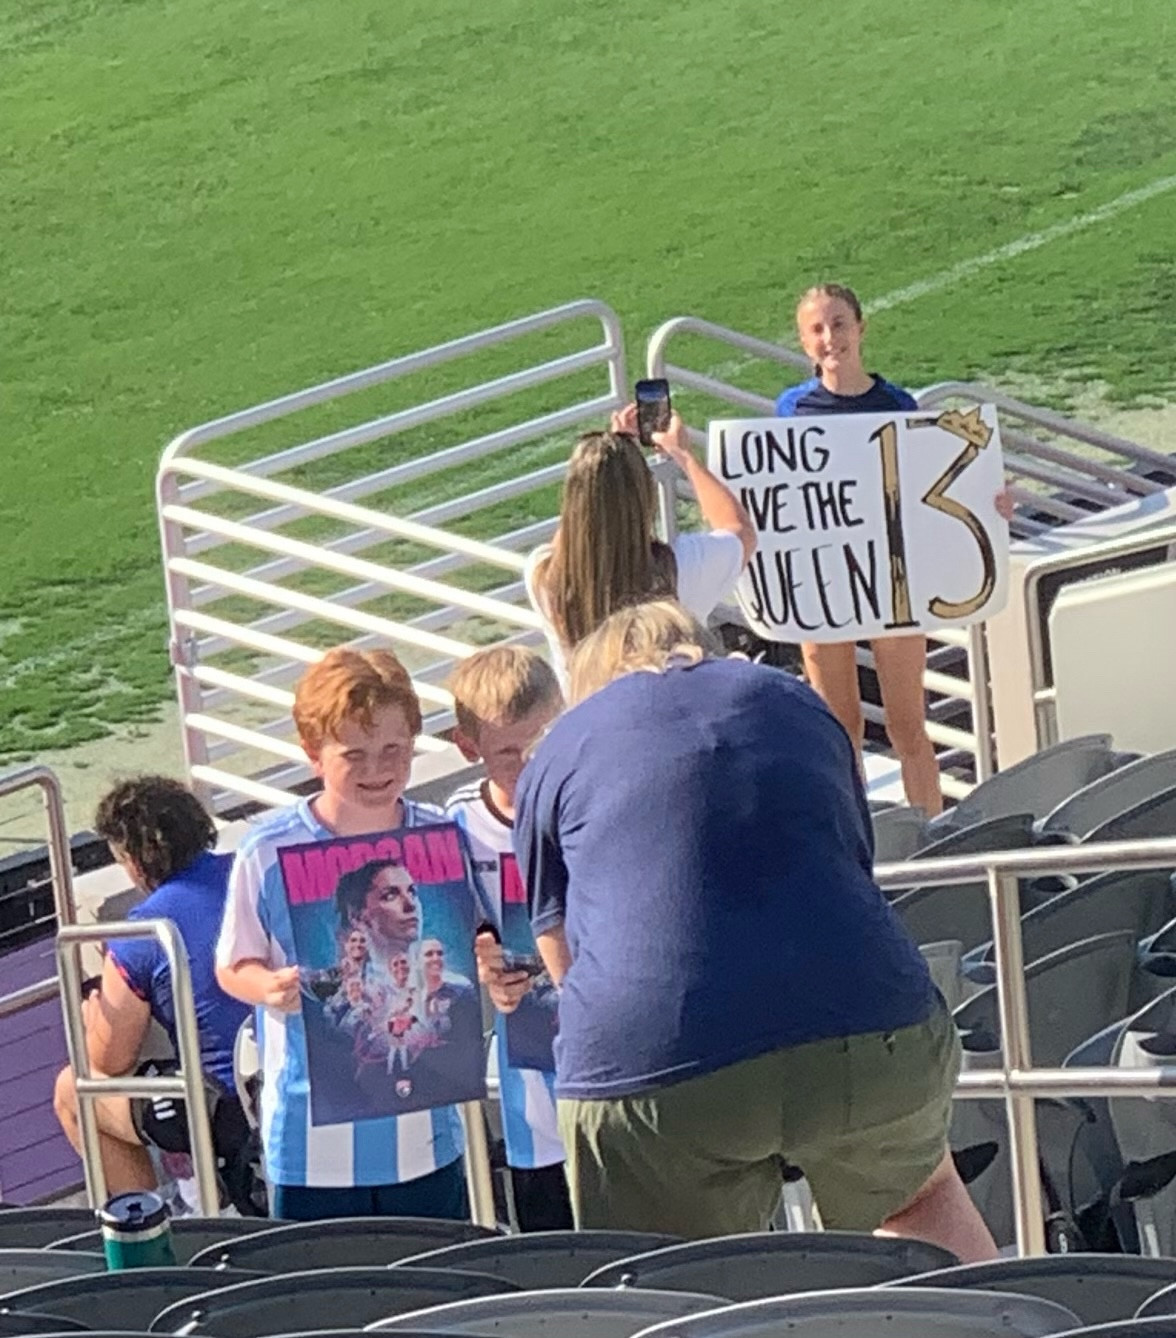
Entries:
{"x":869,"y":524}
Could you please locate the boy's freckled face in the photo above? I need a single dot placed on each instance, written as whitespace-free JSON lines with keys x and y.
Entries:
{"x":368,"y":768}
{"x":505,"y":748}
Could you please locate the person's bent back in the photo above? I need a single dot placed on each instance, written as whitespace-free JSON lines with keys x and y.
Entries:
{"x":159,"y":832}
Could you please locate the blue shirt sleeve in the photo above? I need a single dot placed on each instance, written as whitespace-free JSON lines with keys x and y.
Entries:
{"x":537,"y":849}
{"x":138,"y":960}
{"x":904,"y":399}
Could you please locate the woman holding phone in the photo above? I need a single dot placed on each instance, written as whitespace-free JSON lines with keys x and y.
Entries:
{"x":605,"y":553}
{"x":830,"y":325}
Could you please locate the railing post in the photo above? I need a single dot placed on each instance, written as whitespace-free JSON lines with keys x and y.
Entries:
{"x":479,"y":1183}
{"x":1004,"y":898}
{"x":981,"y":701}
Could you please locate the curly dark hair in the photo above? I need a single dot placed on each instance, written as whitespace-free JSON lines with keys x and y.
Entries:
{"x":158,"y":822}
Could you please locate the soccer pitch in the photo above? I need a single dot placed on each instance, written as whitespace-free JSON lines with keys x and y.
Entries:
{"x":211,"y":202}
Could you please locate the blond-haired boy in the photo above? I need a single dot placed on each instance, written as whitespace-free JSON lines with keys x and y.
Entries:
{"x":357,"y":716}
{"x":504,"y":699}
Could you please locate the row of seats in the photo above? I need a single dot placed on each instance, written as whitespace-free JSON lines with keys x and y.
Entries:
{"x":370,"y":1274}
{"x":1100,"y":956}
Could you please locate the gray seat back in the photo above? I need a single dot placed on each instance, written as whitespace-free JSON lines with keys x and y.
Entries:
{"x":543,"y":1259}
{"x":1151,"y":817}
{"x":127,"y":1300}
{"x":30,"y":1268}
{"x":560,"y":1313}
{"x":1112,"y":794}
{"x":1098,"y":1288}
{"x":34,"y":1228}
{"x":353,"y":1297}
{"x":344,"y":1242}
{"x":190,"y":1235}
{"x":867,"y":1313}
{"x":745,"y":1268}
{"x":898,"y":833}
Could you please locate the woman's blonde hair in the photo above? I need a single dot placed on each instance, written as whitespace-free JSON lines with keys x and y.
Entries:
{"x":644,"y":636}
{"x":604,"y":554}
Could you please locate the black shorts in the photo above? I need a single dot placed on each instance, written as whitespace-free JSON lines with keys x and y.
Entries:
{"x":161,"y":1121}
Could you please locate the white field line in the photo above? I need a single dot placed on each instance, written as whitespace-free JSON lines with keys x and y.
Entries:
{"x":963,"y":269}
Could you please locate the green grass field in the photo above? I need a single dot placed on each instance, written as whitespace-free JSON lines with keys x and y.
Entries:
{"x":209,"y":202}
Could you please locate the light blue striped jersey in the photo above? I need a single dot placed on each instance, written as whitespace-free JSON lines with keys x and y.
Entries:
{"x":528,"y":1095}
{"x":257,"y":925}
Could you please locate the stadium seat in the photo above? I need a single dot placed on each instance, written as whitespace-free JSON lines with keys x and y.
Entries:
{"x":944,"y":962}
{"x":127,"y":1300}
{"x":1098,"y":1288}
{"x":960,"y":910}
{"x":1112,"y":794}
{"x":559,"y":1313}
{"x":33,"y":1228}
{"x":344,"y":1242}
{"x":30,"y":1268}
{"x":18,"y":1323}
{"x":898,"y":833}
{"x":745,"y":1268}
{"x":543,"y":1259}
{"x":1036,"y":785}
{"x":1151,"y":817}
{"x":1160,"y":1326}
{"x":1139,"y":900}
{"x":1162,"y":1302}
{"x":190,"y":1235}
{"x":1072,"y":993}
{"x":317,"y":1299}
{"x":870,"y":1312}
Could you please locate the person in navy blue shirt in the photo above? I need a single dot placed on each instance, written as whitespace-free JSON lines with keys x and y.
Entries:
{"x":159,"y":832}
{"x":736,"y":992}
{"x":830,"y":324}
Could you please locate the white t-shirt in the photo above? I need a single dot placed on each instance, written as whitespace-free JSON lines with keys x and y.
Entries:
{"x":708,"y":566}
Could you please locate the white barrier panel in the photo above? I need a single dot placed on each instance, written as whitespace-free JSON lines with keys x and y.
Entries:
{"x":869,"y":525}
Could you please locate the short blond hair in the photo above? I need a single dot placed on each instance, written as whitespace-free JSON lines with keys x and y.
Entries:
{"x":645,"y":636}
{"x":500,"y":685}
{"x":349,"y":684}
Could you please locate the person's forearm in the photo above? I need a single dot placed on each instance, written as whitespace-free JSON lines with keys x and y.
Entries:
{"x":557,"y":956}
{"x":250,"y":980}
{"x":721,"y":509}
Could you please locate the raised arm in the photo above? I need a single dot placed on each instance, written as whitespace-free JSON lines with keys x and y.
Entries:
{"x":721,"y":509}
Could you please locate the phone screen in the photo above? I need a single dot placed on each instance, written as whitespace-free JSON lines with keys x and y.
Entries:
{"x":653,"y":408}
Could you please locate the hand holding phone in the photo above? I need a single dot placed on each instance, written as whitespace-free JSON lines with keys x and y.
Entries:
{"x":653,"y":408}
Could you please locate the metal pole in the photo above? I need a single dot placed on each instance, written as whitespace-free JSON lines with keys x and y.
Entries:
{"x":69,"y":973}
{"x":981,"y":704}
{"x":479,"y":1183}
{"x":1014,"y":1029}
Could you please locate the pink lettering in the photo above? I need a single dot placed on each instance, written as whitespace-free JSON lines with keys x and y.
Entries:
{"x":513,"y":891}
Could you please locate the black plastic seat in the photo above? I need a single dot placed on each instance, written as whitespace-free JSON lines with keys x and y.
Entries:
{"x":126,"y":1300}
{"x":30,"y":1268}
{"x":558,"y":1313}
{"x":343,"y":1242}
{"x":33,"y":1228}
{"x":18,"y":1323}
{"x":317,"y":1299}
{"x":873,"y":1312}
{"x":1112,"y":794}
{"x":190,"y":1235}
{"x":1098,"y":1288}
{"x":544,"y":1258}
{"x":773,"y":1263}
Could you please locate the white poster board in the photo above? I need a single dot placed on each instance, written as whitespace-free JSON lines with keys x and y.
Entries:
{"x":869,"y":524}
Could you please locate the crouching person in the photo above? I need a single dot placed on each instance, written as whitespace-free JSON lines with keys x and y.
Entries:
{"x":159,"y":832}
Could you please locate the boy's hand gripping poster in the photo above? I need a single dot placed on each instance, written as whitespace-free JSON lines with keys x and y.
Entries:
{"x":384,"y":931}
{"x":531,"y":1028}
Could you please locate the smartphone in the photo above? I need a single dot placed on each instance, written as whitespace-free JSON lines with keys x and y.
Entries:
{"x":653,"y":408}
{"x":519,"y":961}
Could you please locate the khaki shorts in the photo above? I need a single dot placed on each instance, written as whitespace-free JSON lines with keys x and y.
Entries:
{"x":864,"y":1117}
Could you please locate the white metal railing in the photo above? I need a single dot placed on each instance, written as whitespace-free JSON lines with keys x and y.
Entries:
{"x":1052,"y":482}
{"x":1017,"y":1080}
{"x":264,"y":572}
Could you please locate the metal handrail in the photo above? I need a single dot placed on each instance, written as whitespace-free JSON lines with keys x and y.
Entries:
{"x":1017,"y":1080}
{"x":188,"y":1084}
{"x":60,"y":872}
{"x":1125,"y":545}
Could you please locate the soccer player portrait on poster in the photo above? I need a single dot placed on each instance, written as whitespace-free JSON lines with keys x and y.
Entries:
{"x":384,"y":928}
